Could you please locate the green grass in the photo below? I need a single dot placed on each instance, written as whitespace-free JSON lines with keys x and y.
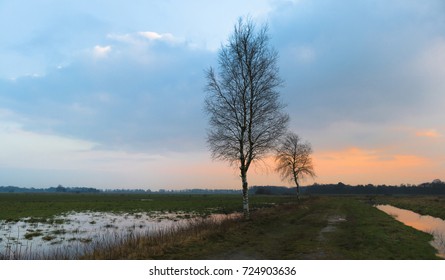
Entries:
{"x":31,"y":234}
{"x":371,"y":234}
{"x":323,"y":227}
{"x":316,"y":228}
{"x":41,"y":207}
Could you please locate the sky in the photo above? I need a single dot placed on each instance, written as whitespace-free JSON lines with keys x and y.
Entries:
{"x":110,"y":94}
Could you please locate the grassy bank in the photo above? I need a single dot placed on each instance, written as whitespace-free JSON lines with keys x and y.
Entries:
{"x":424,"y":205}
{"x":316,"y":228}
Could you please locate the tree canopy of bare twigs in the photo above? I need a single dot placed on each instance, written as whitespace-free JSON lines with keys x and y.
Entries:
{"x":294,"y":160}
{"x":246,"y":118}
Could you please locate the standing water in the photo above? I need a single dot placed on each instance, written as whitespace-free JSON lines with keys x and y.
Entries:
{"x":69,"y":235}
{"x":428,"y":224}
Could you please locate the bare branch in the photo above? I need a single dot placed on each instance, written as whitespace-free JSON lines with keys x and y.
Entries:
{"x":246,"y":117}
{"x":293,"y":159}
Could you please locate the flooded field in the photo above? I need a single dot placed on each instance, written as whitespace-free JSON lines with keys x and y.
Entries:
{"x":425,"y":223}
{"x":65,"y":225}
{"x":73,"y":233}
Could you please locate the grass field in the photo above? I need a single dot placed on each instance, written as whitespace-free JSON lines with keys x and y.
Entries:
{"x":322,"y":227}
{"x":15,"y":206}
{"x":316,"y":228}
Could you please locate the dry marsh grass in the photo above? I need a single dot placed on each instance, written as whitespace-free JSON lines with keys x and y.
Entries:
{"x":153,"y":245}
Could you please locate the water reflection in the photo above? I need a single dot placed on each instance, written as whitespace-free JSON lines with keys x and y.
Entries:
{"x":429,"y":224}
{"x":72,"y":232}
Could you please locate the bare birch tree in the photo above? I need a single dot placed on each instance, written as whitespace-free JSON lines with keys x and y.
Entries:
{"x":294,"y":159}
{"x":246,"y":118}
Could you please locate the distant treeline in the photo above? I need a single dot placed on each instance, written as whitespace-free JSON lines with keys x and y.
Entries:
{"x":436,"y":187}
{"x":58,"y":189}
{"x":204,"y":191}
{"x":62,"y":189}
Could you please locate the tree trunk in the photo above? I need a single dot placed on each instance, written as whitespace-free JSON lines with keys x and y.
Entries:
{"x":245,"y":195}
{"x":298,"y":188}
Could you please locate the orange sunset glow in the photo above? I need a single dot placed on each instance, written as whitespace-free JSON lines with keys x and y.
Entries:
{"x":361,"y":166}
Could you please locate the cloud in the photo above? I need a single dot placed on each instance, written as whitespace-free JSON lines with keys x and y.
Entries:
{"x":156,"y":36}
{"x":36,"y":154}
{"x":431,"y":133}
{"x":304,"y":54}
{"x":101,"y":52}
{"x":125,"y":38}
{"x":356,"y":73}
{"x":363,"y":58}
{"x":22,"y":148}
{"x":144,"y":40}
{"x":365,"y":74}
{"x":429,"y":67}
{"x":137,"y":99}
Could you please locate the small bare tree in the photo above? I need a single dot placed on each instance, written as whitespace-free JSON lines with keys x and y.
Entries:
{"x":294,"y":159}
{"x":246,"y":118}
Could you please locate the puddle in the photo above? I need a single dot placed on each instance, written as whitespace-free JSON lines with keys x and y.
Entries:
{"x":428,"y":224}
{"x":331,"y":227}
{"x":70,"y":234}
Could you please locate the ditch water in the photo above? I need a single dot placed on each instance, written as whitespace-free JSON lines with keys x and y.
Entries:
{"x":69,"y":235}
{"x":428,"y":224}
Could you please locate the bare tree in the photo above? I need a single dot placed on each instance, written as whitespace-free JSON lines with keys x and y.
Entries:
{"x":294,"y":159}
{"x":246,"y":117}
